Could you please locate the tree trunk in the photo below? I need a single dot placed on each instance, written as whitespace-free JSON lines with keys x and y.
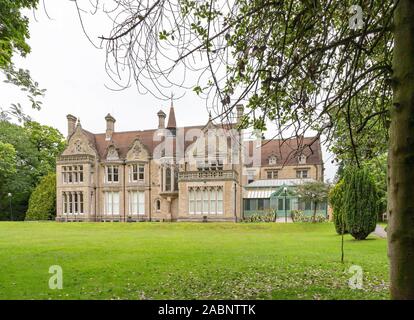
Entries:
{"x":401,"y":157}
{"x":314,"y":212}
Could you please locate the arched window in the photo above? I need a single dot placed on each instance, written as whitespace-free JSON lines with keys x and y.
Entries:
{"x":168,"y":179}
{"x":158,"y":205}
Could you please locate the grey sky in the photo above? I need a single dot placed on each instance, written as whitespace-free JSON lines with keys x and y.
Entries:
{"x":65,"y":63}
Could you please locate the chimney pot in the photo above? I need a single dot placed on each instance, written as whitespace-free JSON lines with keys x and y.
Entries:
{"x":161,"y":119}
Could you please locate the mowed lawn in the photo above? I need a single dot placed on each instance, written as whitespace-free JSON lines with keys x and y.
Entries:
{"x":187,"y":261}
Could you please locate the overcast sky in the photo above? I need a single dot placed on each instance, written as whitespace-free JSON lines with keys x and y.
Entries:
{"x":65,"y":63}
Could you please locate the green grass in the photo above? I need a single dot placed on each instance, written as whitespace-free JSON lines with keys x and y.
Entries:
{"x":187,"y":261}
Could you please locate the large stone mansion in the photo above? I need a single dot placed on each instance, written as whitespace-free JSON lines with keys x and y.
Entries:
{"x":171,"y":173}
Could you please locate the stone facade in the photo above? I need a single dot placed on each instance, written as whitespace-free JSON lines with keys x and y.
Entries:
{"x":154,"y":175}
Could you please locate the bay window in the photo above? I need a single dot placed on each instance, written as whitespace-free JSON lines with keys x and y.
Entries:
{"x":73,"y":203}
{"x":205,"y":200}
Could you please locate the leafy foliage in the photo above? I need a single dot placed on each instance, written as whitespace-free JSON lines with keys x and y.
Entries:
{"x":299,"y":216}
{"x":22,"y":79}
{"x":360,"y":202}
{"x":267,"y":216}
{"x":7,"y":160}
{"x":15,"y":29}
{"x":13,"y":39}
{"x":42,"y":203}
{"x":36,"y":148}
{"x":378,"y":169}
{"x":336,"y":199}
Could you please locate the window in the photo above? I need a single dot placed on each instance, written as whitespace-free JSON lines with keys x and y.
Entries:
{"x":287,"y":204}
{"x":73,"y":203}
{"x":280,"y":205}
{"x":136,"y":172}
{"x":272,"y":160}
{"x":208,"y":200}
{"x":72,"y":174}
{"x":192,"y":201}
{"x":204,"y":165}
{"x":220,"y":201}
{"x":272,"y":174}
{"x":112,"y":174}
{"x":260,"y":204}
{"x":247,"y":204}
{"x":250,"y":176}
{"x":213,"y":201}
{"x":198,"y":201}
{"x":111,"y":203}
{"x":302,"y":159}
{"x":158,"y":205}
{"x":251,"y":204}
{"x":301,"y":174}
{"x":168,"y":179}
{"x":137,"y":202}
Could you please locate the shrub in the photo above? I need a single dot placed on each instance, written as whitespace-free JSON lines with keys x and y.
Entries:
{"x":298,"y":216}
{"x":336,"y":197}
{"x":42,"y":203}
{"x":360,"y":203}
{"x":266,"y":216}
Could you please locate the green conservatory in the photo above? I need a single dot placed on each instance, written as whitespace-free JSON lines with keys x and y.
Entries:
{"x":278,"y":196}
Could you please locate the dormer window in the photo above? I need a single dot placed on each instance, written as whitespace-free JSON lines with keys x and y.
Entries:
{"x":302,"y":159}
{"x":272,"y":160}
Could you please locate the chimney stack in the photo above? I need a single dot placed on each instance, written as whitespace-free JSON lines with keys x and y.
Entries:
{"x":161,"y":119}
{"x":110,"y":127}
{"x":71,"y":124}
{"x":239,"y":109}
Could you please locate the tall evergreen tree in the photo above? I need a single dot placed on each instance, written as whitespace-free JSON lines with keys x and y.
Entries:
{"x":360,"y":203}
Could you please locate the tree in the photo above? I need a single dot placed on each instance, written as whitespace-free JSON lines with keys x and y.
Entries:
{"x":360,"y":203}
{"x":7,"y":160}
{"x":320,"y":65}
{"x":13,"y":39}
{"x":36,"y":148}
{"x":49,"y":143}
{"x":316,"y":192}
{"x":336,"y":199}
{"x":378,"y":169}
{"x":42,"y":203}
